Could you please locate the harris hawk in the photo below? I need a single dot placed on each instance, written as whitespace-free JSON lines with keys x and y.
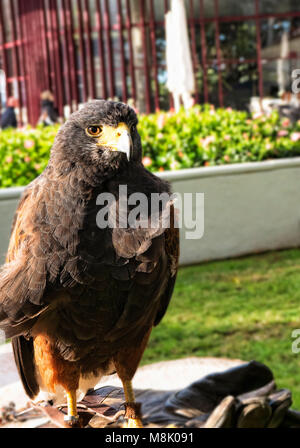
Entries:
{"x":79,"y":300}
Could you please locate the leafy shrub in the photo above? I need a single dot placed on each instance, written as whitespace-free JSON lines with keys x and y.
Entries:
{"x":202,"y":136}
{"x":24,"y":154}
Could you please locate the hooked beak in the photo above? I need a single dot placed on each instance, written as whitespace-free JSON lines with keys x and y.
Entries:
{"x":116,"y":139}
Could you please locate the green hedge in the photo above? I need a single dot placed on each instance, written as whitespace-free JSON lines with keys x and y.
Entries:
{"x":202,"y":136}
{"x":205,"y":136}
{"x":24,"y":154}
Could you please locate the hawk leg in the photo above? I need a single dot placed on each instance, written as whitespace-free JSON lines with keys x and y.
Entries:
{"x":126,"y":363}
{"x":72,"y":418}
{"x":133,"y":409}
{"x":54,"y":371}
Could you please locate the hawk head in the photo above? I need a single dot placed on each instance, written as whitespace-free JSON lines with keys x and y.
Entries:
{"x":102,"y":135}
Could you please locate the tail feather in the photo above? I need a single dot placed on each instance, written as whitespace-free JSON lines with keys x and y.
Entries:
{"x":24,"y":358}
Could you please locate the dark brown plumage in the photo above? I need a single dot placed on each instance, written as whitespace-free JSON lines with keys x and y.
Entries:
{"x":75,"y":298}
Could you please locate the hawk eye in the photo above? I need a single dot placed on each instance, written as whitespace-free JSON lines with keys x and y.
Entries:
{"x":94,"y":131}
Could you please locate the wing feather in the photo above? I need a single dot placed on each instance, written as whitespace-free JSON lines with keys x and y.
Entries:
{"x":172,"y":251}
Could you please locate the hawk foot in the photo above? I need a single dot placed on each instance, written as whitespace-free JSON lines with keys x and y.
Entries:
{"x":72,"y":420}
{"x":133,"y":415}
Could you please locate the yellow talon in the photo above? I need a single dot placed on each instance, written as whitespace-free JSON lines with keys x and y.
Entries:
{"x":134,"y":423}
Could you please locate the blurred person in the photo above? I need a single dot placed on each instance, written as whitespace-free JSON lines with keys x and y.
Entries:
{"x":49,"y":113}
{"x":9,"y":119}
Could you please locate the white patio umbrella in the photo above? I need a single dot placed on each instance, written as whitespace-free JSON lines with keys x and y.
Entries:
{"x":283,"y":64}
{"x":181,"y":80}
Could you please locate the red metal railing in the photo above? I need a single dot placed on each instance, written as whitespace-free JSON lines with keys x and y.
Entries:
{"x":56,"y":48}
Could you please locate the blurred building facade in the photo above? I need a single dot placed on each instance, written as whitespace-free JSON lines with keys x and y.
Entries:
{"x":83,"y":49}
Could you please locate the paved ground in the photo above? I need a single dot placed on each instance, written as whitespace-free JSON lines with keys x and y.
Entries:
{"x":168,"y":375}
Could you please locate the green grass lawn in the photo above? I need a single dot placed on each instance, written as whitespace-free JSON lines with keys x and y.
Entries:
{"x":245,"y":308}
